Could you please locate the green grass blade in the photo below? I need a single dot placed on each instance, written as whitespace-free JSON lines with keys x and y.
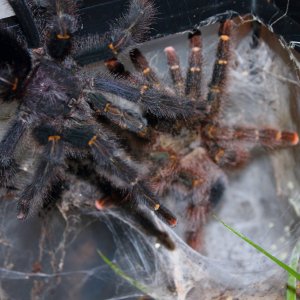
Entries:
{"x":292,"y":282}
{"x":119,"y":272}
{"x":281,"y":264}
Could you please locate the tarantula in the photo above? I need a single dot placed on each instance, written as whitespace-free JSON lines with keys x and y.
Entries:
{"x":70,"y":114}
{"x":195,"y":174}
{"x":57,"y":109}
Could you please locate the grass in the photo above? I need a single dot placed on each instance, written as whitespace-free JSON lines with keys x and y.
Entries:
{"x":291,"y":269}
{"x":293,"y":275}
{"x":292,"y":282}
{"x":122,"y":274}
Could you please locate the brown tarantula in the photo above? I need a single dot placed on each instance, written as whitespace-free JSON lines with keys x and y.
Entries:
{"x":195,"y":173}
{"x":72,"y":115}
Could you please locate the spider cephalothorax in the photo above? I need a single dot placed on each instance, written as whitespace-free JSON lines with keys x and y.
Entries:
{"x":71,"y":114}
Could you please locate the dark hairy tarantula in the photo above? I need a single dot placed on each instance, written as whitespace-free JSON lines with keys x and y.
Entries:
{"x":57,"y":109}
{"x":71,"y":115}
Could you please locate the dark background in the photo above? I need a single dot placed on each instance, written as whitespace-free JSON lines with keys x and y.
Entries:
{"x":179,"y":15}
{"x":176,"y":15}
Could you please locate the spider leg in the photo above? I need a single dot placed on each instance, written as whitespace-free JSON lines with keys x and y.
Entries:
{"x":202,"y":177}
{"x":150,"y":228}
{"x":61,"y":29}
{"x":193,"y":76}
{"x":197,"y":180}
{"x":175,"y":70}
{"x":140,"y":216}
{"x":224,"y":143}
{"x":128,"y":30}
{"x":267,"y":137}
{"x":219,"y":76}
{"x":197,"y":212}
{"x":26,"y":21}
{"x":228,"y":155}
{"x":141,"y":64}
{"x":8,"y":145}
{"x":203,"y":184}
{"x":123,"y":118}
{"x":14,"y":65}
{"x":132,"y":27}
{"x":116,"y":68}
{"x":157,"y":103}
{"x":115,"y":167}
{"x":168,"y":162}
{"x":47,"y":173}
